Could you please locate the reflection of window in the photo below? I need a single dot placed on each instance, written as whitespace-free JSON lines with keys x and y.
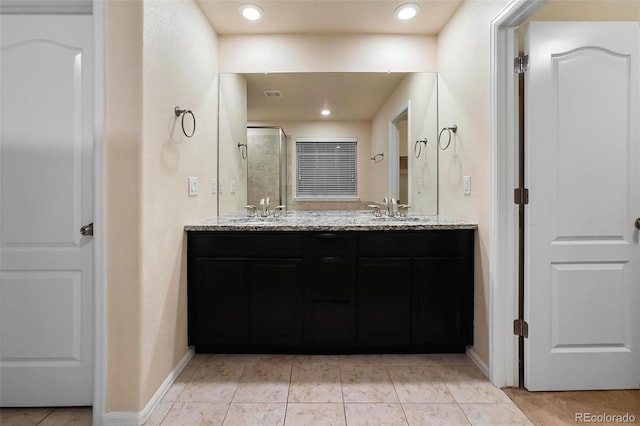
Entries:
{"x":326,"y":168}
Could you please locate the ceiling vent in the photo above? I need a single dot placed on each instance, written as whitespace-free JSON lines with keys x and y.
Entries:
{"x":272,"y":94}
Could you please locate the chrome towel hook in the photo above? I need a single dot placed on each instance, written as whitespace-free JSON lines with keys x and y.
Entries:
{"x":449,"y":130}
{"x":183,"y":112}
{"x":417,"y":148}
{"x":243,"y":150}
{"x":378,"y":157}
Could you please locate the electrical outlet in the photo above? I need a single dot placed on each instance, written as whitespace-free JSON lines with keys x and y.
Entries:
{"x":467,"y":185}
{"x":220,"y":186}
{"x":193,"y":186}
{"x":232,"y":186}
{"x":214,"y":186}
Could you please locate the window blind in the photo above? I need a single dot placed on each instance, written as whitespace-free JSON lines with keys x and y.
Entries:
{"x":326,"y":168}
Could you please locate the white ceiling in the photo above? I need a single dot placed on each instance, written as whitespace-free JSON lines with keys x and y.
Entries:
{"x":328,"y":16}
{"x":349,"y":96}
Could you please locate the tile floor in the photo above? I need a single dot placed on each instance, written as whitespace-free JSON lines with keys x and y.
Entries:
{"x":387,"y":390}
{"x":350,"y":390}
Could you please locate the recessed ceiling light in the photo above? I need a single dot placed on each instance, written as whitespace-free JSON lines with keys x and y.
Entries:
{"x":251,"y":12}
{"x":325,"y":112}
{"x":407,"y":11}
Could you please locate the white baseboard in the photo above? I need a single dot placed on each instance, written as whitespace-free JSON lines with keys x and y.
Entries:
{"x":120,"y":418}
{"x":136,"y":418}
{"x":478,"y":361}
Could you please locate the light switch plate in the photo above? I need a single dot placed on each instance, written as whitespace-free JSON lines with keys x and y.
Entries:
{"x":193,"y":186}
{"x":214,"y":186}
{"x":466,"y":180}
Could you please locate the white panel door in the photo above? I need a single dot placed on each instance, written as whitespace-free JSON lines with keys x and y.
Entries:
{"x":582,"y":285}
{"x":46,"y":155}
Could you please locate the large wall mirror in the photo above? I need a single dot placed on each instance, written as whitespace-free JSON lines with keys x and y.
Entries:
{"x":264,"y":118}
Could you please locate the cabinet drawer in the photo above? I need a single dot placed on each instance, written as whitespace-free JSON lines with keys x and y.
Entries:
{"x":332,"y":244}
{"x":245,"y":244}
{"x":430,"y":243}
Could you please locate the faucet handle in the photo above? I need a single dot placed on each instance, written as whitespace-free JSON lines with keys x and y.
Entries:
{"x":251,"y":210}
{"x":376,"y":210}
{"x":403,"y":209}
{"x":280,"y":210}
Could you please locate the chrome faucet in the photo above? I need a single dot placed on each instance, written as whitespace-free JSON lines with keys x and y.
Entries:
{"x":264,"y":202}
{"x":391,"y":206}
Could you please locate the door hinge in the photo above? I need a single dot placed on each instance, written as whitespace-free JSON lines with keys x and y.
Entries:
{"x":87,"y":230}
{"x":520,"y":328}
{"x":521,"y":196}
{"x":521,"y":64}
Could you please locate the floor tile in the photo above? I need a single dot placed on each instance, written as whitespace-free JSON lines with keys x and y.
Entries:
{"x":199,"y":359}
{"x":419,"y":384}
{"x":81,"y":416}
{"x":158,"y":414}
{"x":468,"y":384}
{"x":449,"y":359}
{"x":384,"y":359}
{"x":255,"y":414}
{"x":180,"y":382}
{"x":273,"y":359}
{"x":23,"y":416}
{"x":315,"y":383}
{"x":315,"y":415}
{"x":447,"y":414}
{"x":368,"y":383}
{"x":212,"y":383}
{"x":461,"y":372}
{"x":264,"y":382}
{"x":375,"y":415}
{"x":317,"y":360}
{"x":195,"y":414}
{"x":495,"y":414}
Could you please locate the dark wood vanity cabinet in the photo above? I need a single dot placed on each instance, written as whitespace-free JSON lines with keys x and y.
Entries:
{"x":330,"y":292}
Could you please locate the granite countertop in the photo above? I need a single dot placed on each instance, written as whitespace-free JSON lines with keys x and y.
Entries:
{"x":328,"y":220}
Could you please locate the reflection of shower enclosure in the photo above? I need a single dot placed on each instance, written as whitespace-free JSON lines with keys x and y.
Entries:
{"x":266,"y":165}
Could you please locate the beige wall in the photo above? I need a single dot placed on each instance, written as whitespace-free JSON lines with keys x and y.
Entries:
{"x":327,"y":53}
{"x":123,"y":217}
{"x":151,"y":52}
{"x":232,"y":131}
{"x":464,"y":99}
{"x":420,"y":90}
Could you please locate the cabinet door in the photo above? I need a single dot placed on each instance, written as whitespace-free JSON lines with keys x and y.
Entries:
{"x":384,"y":301}
{"x":218,"y":301}
{"x":443,"y":307}
{"x":276,"y":301}
{"x":330,"y":308}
